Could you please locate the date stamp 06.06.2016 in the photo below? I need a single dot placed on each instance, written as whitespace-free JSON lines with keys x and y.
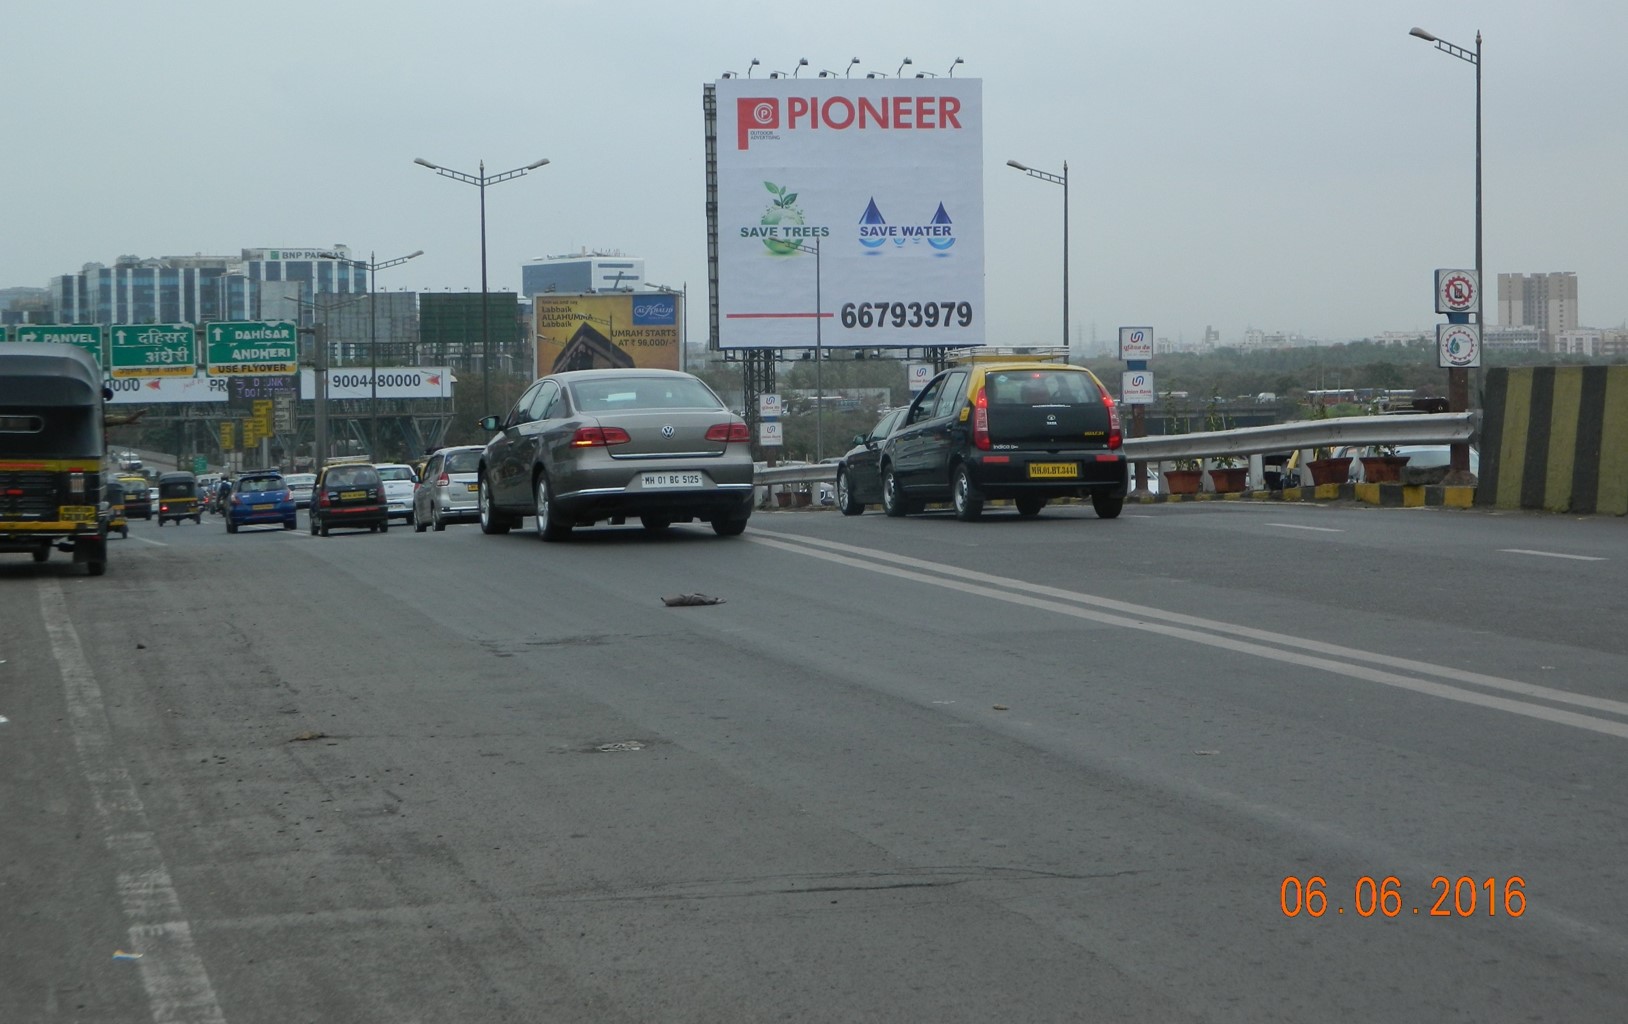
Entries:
{"x":1464,"y":896}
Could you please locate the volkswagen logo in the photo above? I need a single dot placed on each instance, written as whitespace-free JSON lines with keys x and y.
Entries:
{"x":667,"y":431}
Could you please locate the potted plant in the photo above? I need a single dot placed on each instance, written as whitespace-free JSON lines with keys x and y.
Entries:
{"x":1225,"y":473}
{"x":1384,"y":465}
{"x":1323,"y":468}
{"x":1187,"y":477}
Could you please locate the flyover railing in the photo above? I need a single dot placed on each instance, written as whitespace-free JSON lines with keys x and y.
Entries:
{"x":1241,"y":442}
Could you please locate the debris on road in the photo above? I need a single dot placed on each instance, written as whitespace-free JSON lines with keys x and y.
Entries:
{"x":686,"y":599}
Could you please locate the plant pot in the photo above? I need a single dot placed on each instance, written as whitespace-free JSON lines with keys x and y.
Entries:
{"x":1229,"y":479}
{"x":1330,"y":471}
{"x":1183,"y":481}
{"x":1383,"y":469}
{"x":783,"y":499}
{"x":801,"y":498}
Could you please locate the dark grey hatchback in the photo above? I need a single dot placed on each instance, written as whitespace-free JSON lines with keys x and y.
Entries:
{"x":588,"y":446}
{"x":1028,"y":431}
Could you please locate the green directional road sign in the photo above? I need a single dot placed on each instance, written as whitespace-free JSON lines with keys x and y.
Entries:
{"x":200,"y":464}
{"x":254,"y":348}
{"x":86,"y":336}
{"x":152,"y":350}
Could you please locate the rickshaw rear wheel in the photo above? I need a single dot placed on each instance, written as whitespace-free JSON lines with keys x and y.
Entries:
{"x":42,"y":554}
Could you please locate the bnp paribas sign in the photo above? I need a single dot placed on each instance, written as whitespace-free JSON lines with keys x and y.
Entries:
{"x":253,"y":348}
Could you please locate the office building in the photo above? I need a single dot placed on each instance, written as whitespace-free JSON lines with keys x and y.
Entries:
{"x":582,"y":273}
{"x":197,"y":289}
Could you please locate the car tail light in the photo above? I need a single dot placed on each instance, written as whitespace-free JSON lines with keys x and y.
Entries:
{"x":980,"y":421}
{"x":443,"y":480}
{"x":599,"y":437}
{"x":323,"y":501}
{"x":1116,"y":436}
{"x":729,"y":432}
{"x":237,"y":499}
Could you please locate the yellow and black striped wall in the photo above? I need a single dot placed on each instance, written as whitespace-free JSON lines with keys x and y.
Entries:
{"x":1555,"y":438}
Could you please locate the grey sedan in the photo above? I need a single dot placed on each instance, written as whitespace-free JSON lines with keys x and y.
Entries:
{"x":589,"y":446}
{"x":448,"y":491}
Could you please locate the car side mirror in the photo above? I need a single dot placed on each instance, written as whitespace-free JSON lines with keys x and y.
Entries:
{"x":859,"y":439}
{"x":489,"y":423}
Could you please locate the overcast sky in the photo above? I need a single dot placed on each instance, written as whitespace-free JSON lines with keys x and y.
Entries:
{"x":1287,"y":165}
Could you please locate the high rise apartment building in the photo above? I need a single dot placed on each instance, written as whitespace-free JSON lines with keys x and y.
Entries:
{"x":1545,"y":301}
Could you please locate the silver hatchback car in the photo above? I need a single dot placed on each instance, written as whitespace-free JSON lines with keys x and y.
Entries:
{"x":588,"y":446}
{"x":449,"y":490}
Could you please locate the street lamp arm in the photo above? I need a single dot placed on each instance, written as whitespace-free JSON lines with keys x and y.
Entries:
{"x":1468,"y":56}
{"x":1055,"y":179}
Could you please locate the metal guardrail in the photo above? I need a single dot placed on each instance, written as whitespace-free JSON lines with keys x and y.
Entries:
{"x":1410,"y":428}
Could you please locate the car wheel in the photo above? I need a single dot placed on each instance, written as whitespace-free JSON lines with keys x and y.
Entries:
{"x":289,"y":524}
{"x":729,"y":527}
{"x":124,"y":531}
{"x":324,"y":529}
{"x":412,"y":520}
{"x":491,"y":521}
{"x":231,"y":527}
{"x":549,"y":526}
{"x":384,"y":527}
{"x":196,"y":520}
{"x":1030,"y":506}
{"x":96,"y":568}
{"x":42,"y":554}
{"x":892,"y":500}
{"x":1107,"y":508}
{"x":436,"y":521}
{"x":847,"y":501}
{"x":313,"y":525}
{"x":160,"y":522}
{"x":655,"y":524}
{"x":967,"y":499}
{"x":419,"y":525}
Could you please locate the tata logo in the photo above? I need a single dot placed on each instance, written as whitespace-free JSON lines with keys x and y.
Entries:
{"x":760,"y":117}
{"x":655,"y":313}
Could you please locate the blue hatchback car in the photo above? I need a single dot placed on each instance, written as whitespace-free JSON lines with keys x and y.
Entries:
{"x":261,"y":498}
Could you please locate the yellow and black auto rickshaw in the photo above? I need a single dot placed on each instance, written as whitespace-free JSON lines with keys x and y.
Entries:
{"x":113,"y":498}
{"x":178,"y":498}
{"x":51,"y":448}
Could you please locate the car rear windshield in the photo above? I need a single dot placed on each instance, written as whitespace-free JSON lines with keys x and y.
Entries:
{"x":260,"y":483}
{"x":1041,"y":387}
{"x":597,"y":396}
{"x":396,"y":473}
{"x":352,"y":476}
{"x":463,"y":462}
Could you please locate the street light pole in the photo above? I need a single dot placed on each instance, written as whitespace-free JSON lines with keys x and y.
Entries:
{"x":1056,"y":179}
{"x":480,"y":181}
{"x":373,"y":267}
{"x":819,"y":352}
{"x":1458,"y":378}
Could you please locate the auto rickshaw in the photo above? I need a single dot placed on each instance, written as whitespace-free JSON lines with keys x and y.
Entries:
{"x":51,"y":449}
{"x":113,"y":498}
{"x":178,"y":498}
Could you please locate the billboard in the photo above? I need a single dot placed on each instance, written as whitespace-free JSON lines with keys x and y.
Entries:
{"x":850,"y":212}
{"x":589,"y":331}
{"x":355,"y":382}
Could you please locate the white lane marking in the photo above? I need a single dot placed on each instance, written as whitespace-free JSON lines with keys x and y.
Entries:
{"x":154,"y":543}
{"x":1551,"y":554}
{"x":1230,"y":637}
{"x":1297,"y":526}
{"x":178,"y":987}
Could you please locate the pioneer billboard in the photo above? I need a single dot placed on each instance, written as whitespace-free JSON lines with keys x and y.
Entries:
{"x":850,"y":212}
